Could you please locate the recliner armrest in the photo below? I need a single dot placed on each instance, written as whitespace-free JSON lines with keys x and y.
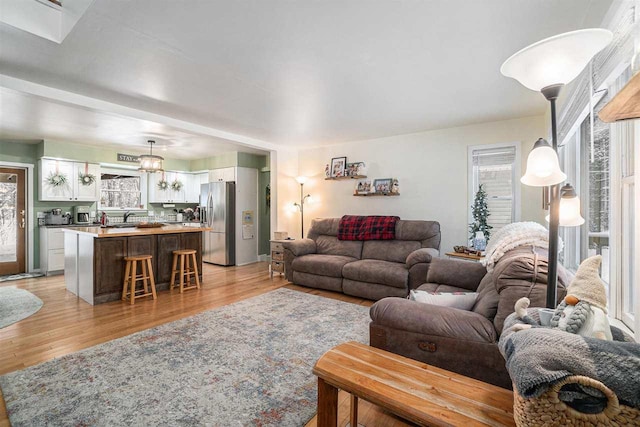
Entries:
{"x":412,"y":316}
{"x":421,"y":255}
{"x":301,"y":247}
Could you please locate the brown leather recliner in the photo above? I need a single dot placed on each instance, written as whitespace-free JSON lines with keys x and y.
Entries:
{"x":464,"y":341}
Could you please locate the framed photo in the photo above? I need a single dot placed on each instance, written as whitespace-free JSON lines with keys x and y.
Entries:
{"x":363,"y":186}
{"x":338,"y":167}
{"x":382,"y":185}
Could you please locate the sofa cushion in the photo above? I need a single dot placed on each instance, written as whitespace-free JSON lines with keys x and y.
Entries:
{"x":330,"y":245}
{"x":462,"y":274}
{"x":377,"y":271}
{"x":322,"y":265}
{"x":487,"y":302}
{"x":389,"y":250}
{"x":459,"y":300}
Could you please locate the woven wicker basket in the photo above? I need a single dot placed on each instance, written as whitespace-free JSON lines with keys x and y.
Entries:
{"x":547,"y":410}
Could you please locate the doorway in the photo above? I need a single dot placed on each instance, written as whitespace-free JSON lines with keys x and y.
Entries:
{"x":13,"y":217}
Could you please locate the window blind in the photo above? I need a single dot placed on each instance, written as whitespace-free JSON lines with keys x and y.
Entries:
{"x":575,"y":97}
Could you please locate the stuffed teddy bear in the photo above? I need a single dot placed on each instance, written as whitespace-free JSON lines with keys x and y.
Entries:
{"x":584,"y":310}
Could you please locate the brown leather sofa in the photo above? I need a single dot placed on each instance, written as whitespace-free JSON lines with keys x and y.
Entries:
{"x":464,"y":341}
{"x":371,"y":269}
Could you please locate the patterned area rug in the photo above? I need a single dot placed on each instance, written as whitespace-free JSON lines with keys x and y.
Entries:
{"x":16,"y":304}
{"x":19,"y":276}
{"x":245,"y":364}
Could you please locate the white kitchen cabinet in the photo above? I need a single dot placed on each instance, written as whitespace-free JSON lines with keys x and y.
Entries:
{"x":51,"y":250}
{"x":71,"y":189}
{"x":157,"y":195}
{"x":86,"y":192}
{"x":195,"y":180}
{"x":223,"y":174}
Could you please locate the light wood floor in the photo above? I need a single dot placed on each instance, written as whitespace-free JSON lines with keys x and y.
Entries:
{"x":66,"y":324}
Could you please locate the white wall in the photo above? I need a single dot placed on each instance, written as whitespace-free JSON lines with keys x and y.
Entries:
{"x":246,"y":200}
{"x":431,"y":168}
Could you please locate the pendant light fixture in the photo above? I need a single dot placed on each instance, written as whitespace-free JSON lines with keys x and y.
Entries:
{"x":150,"y":162}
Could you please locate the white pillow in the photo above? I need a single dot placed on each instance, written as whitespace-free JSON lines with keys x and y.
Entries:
{"x":461,"y":300}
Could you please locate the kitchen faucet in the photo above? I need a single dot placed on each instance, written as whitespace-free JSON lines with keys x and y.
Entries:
{"x":127,"y":214}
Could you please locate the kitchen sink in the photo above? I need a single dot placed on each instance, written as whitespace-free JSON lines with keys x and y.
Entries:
{"x":123,"y":225}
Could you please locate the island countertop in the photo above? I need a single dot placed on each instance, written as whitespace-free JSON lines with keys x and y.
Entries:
{"x":100,"y":232}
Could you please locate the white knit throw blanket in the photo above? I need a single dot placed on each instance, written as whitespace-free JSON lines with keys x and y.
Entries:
{"x":513,"y":235}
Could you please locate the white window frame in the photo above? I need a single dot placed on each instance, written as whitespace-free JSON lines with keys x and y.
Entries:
{"x":128,"y":171}
{"x":472,"y":182}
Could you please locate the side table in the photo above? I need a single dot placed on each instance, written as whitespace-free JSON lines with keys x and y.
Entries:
{"x":464,"y":257}
{"x":277,"y":256}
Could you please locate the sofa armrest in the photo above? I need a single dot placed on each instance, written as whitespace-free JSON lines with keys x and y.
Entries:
{"x":427,"y":319}
{"x":301,"y":247}
{"x":421,"y":255}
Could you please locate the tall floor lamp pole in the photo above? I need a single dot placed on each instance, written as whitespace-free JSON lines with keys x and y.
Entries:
{"x":551,"y":93}
{"x":546,"y":66}
{"x":301,"y":180}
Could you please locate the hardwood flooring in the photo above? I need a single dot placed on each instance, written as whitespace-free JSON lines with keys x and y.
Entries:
{"x":66,"y":324}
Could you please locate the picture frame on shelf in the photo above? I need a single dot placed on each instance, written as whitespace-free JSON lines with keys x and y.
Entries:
{"x":338,"y":167}
{"x":355,"y":169}
{"x":382,"y":185}
{"x":363,"y":186}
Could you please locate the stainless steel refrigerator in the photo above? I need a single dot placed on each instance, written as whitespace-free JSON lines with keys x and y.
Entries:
{"x":219,"y":202}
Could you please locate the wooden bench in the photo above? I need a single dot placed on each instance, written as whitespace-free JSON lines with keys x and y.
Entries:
{"x":418,"y":392}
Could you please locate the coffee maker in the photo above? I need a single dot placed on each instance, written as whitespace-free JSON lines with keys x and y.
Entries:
{"x":81,"y":215}
{"x":55,"y":217}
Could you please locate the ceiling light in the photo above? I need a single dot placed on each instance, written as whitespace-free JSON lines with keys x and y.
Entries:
{"x":149,"y":162}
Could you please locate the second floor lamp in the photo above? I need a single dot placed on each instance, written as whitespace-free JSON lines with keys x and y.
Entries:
{"x":301,"y":180}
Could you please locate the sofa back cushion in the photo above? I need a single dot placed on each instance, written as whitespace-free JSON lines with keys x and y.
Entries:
{"x":448,"y":272}
{"x":522,"y":272}
{"x":389,"y":250}
{"x":410,"y":235}
{"x":330,"y":245}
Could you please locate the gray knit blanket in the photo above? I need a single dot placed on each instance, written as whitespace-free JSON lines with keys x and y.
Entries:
{"x":537,"y":358}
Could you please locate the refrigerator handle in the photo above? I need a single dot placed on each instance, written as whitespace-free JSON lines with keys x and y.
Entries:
{"x":210,"y":214}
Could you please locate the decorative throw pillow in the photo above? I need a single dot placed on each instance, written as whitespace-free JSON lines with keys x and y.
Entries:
{"x":460,"y":300}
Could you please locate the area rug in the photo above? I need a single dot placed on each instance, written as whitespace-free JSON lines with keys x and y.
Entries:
{"x":16,"y":304}
{"x":19,"y":276}
{"x":245,"y":364}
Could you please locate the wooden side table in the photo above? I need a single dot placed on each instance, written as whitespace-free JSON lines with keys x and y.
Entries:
{"x":423,"y":394}
{"x":464,"y":257}
{"x":277,"y":256}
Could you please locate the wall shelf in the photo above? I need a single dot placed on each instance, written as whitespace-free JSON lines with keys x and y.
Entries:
{"x":339,"y":178}
{"x":377,"y":194}
{"x":625,"y":105}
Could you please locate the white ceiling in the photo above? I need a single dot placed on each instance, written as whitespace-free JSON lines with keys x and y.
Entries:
{"x":287,"y":72}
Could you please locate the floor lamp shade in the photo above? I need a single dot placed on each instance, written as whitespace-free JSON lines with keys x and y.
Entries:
{"x":543,"y":167}
{"x":555,"y":60}
{"x":569,"y":208}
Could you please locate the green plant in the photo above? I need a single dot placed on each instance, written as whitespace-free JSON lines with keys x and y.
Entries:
{"x":163,"y":184}
{"x":57,"y":179}
{"x":480,"y":213}
{"x":86,"y":178}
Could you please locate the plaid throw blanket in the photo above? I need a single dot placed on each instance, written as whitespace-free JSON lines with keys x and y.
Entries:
{"x":354,"y":227}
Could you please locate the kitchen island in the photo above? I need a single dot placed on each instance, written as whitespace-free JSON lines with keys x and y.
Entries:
{"x":94,"y":256}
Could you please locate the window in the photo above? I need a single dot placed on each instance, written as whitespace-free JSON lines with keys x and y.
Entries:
{"x":497,"y":169}
{"x":122,"y":189}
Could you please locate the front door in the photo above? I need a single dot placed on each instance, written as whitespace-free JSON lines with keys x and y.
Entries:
{"x":12,"y":221}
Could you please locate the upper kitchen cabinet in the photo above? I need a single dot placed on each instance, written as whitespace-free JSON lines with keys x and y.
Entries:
{"x":62,"y":180}
{"x":193,"y":187}
{"x":224,"y":174}
{"x":168,"y":187}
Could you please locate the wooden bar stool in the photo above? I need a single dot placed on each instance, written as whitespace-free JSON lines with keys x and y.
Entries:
{"x":131,"y":278}
{"x":188,"y":268}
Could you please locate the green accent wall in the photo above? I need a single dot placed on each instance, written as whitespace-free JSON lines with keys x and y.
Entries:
{"x":264,"y":214}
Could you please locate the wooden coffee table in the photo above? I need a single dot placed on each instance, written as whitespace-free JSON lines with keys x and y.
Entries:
{"x":418,"y":392}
